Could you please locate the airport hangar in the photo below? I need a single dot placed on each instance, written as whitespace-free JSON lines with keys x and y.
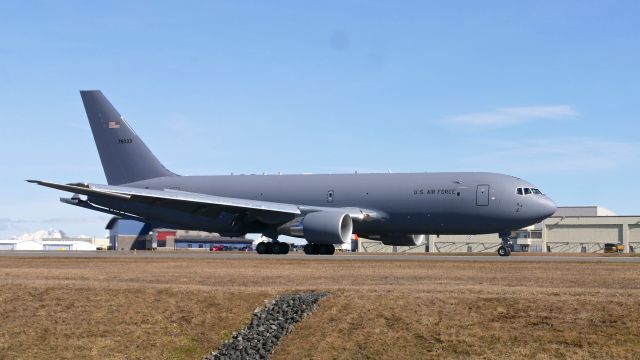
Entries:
{"x":127,"y":234}
{"x":577,"y":229}
{"x":66,"y":244}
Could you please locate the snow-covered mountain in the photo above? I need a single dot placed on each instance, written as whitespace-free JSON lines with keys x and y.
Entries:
{"x":43,"y":234}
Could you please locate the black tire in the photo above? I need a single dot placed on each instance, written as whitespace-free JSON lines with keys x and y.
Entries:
{"x":261,"y":248}
{"x":280,"y":248}
{"x":284,"y":248}
{"x":311,"y":249}
{"x":275,"y":248}
{"x":504,"y":251}
{"x":326,"y":249}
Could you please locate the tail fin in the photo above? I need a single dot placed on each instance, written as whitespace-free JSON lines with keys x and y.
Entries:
{"x":125,"y":158}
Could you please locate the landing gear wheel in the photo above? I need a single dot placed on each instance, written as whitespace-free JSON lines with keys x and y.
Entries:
{"x":284,"y":248}
{"x":275,"y":248}
{"x":504,"y":251}
{"x":280,"y":248}
{"x":264,"y":248}
{"x":311,"y":249}
{"x":326,"y":249}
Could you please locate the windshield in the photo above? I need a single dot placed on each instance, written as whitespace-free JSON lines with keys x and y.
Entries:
{"x":528,"y":191}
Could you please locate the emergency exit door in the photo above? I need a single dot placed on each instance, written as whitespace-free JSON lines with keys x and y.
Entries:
{"x":482,"y":195}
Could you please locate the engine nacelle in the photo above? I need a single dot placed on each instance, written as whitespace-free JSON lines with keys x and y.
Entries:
{"x":322,"y":227}
{"x":403,"y":239}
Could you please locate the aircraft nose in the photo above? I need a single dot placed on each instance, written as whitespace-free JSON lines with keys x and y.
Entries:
{"x":547,"y":207}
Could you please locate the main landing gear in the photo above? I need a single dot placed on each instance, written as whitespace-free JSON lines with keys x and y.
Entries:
{"x":505,"y":248}
{"x":276,"y":248}
{"x":319,"y":249}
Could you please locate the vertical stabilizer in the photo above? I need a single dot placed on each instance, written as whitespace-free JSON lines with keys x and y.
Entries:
{"x":125,"y":158}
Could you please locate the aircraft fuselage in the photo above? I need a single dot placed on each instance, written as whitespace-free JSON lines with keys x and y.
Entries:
{"x":420,"y":203}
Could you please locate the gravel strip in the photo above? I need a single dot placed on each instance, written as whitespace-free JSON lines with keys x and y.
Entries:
{"x":268,"y":326}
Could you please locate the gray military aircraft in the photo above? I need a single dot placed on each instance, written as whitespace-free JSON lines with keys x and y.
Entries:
{"x":396,"y":209}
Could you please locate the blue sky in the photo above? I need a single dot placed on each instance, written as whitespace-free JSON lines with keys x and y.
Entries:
{"x":544,"y":90}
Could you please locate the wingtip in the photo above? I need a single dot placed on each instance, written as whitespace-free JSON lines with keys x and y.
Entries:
{"x":33,"y":181}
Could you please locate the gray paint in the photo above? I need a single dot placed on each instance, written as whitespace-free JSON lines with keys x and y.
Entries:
{"x":122,"y":164}
{"x":393,"y":196}
{"x":380,"y":204}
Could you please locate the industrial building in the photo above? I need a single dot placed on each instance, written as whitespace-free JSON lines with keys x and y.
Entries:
{"x":186,"y":239}
{"x":20,"y":245}
{"x":579,"y":229}
{"x":46,"y":245}
{"x":127,"y":234}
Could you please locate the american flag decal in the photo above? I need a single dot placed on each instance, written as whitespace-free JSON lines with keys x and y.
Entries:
{"x":114,"y":125}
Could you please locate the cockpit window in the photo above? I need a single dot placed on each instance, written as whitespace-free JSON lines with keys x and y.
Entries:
{"x":528,"y":191}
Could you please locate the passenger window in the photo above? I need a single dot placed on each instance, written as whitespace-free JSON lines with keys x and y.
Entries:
{"x":527,"y":191}
{"x":519,"y":191}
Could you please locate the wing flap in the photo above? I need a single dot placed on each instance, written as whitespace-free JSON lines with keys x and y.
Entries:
{"x":172,"y":197}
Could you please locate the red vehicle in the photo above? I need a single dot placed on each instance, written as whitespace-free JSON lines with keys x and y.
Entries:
{"x":217,"y":248}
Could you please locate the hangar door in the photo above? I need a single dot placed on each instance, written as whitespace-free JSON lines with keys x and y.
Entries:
{"x":584,"y":233}
{"x":482,"y":195}
{"x":57,"y":247}
{"x":634,"y":233}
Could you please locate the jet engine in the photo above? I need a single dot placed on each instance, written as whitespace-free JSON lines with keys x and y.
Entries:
{"x":403,"y":239}
{"x":322,"y":227}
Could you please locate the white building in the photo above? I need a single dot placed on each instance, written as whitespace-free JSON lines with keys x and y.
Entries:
{"x":571,"y":229}
{"x":67,"y":245}
{"x":40,"y":245}
{"x":20,"y":245}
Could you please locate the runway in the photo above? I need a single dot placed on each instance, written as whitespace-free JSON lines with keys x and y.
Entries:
{"x":338,"y":257}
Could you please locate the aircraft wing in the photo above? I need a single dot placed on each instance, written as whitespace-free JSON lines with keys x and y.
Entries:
{"x":183,"y":199}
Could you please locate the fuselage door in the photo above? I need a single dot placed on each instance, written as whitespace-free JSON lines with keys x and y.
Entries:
{"x":482,"y":195}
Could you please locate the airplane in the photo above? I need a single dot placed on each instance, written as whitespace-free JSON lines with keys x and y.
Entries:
{"x":324,"y":209}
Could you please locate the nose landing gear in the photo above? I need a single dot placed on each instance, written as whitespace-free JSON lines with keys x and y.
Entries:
{"x":505,"y":248}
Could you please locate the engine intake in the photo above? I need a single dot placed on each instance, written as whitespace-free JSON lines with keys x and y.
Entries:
{"x":322,"y":227}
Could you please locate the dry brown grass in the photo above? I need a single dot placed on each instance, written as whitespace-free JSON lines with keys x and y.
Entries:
{"x":183,"y":308}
